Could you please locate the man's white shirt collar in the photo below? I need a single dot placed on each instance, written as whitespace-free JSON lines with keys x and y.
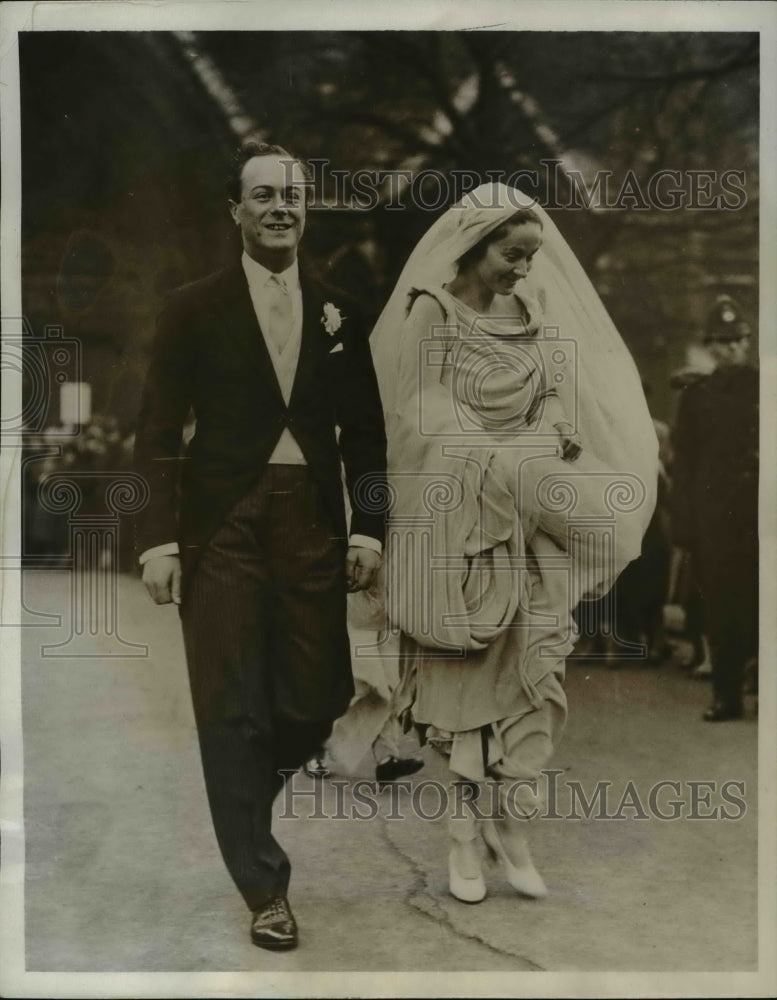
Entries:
{"x":258,"y":275}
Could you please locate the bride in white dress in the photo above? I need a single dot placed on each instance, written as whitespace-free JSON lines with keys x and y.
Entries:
{"x":523,"y":466}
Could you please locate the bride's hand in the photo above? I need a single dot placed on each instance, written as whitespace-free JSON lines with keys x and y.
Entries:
{"x":361,"y":566}
{"x":571,"y":445}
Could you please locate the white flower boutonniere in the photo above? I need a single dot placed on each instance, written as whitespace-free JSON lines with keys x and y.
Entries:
{"x":331,"y":320}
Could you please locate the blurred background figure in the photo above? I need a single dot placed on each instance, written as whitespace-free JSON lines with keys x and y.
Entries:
{"x":370,"y":724}
{"x":640,"y":590}
{"x":92,"y":453}
{"x":683,"y":636}
{"x":715,"y":500}
{"x":358,"y":267}
{"x":369,"y":735}
{"x":626,"y":623}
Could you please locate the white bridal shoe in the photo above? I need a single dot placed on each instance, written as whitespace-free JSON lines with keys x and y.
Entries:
{"x":465,"y":878}
{"x":524,"y":878}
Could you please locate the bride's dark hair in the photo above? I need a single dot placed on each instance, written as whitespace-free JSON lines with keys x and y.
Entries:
{"x":476,"y":253}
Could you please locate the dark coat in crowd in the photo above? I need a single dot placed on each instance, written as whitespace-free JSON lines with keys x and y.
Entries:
{"x":715,"y":445}
{"x":715,"y":512}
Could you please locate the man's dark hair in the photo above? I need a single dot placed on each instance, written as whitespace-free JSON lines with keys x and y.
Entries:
{"x":247,"y":150}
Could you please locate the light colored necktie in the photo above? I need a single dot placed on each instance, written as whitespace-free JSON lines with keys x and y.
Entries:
{"x":279,"y":312}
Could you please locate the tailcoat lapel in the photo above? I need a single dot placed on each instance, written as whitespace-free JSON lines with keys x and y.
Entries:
{"x":312,"y":305}
{"x":242,"y":329}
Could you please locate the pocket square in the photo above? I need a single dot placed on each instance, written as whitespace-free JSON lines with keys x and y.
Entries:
{"x":336,"y":348}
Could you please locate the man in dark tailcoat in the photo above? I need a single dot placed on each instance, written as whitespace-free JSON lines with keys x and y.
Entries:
{"x":247,"y":530}
{"x":715,"y":501}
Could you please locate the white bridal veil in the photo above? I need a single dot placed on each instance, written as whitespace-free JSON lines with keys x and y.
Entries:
{"x":601,"y":391}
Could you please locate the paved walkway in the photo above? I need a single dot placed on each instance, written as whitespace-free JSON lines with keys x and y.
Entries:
{"x":123,"y":872}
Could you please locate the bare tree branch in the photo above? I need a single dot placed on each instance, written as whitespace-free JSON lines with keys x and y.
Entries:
{"x":743,"y":60}
{"x":354,"y":114}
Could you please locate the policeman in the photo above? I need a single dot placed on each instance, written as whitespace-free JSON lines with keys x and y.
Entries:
{"x":715,"y":500}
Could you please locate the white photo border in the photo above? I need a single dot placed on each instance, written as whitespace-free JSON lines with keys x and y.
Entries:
{"x":438,"y":15}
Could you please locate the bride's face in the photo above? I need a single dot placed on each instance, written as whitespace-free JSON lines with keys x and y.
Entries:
{"x":509,"y":259}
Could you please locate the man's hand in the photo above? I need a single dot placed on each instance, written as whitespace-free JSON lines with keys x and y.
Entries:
{"x":162,"y":577}
{"x":361,"y":565}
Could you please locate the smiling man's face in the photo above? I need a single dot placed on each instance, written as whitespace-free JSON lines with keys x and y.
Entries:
{"x":271,"y":210}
